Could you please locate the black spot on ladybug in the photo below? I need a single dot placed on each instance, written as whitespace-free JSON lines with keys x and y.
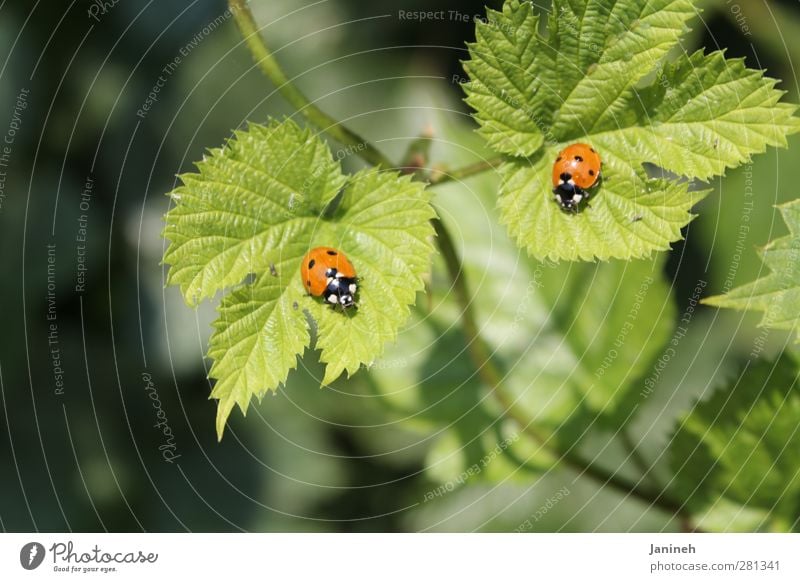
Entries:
{"x":592,"y":150}
{"x":591,"y":172}
{"x":578,"y":158}
{"x":558,"y":159}
{"x":311,"y":263}
{"x":308,"y":282}
{"x":332,"y":253}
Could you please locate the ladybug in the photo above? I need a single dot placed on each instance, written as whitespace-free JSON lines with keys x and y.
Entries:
{"x":328,"y":273}
{"x":577,"y":169}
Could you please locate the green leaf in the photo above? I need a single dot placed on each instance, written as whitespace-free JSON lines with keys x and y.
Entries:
{"x":232,"y":218}
{"x":599,"y":77}
{"x":503,"y":79}
{"x":742,"y":446}
{"x":254,"y":209}
{"x":776,"y":294}
{"x":630,"y":218}
{"x":702,"y":115}
{"x":384,"y":223}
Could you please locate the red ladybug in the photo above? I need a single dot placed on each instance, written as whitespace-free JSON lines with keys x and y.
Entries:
{"x":328,"y":273}
{"x":577,"y":169}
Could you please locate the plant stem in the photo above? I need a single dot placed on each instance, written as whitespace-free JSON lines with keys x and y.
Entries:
{"x":492,"y":377}
{"x":636,"y":455}
{"x":266,"y":61}
{"x":464,"y":172}
{"x":273,"y":71}
{"x":477,"y":348}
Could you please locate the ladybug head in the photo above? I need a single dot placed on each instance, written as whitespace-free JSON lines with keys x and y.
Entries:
{"x":568,"y":196}
{"x":341,"y":291}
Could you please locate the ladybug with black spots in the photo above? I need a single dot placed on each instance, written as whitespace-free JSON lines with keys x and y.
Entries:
{"x":328,"y":273}
{"x":576,"y":170}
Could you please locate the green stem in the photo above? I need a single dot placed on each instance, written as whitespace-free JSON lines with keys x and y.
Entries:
{"x":492,"y":377}
{"x":273,"y":71}
{"x":466,"y":171}
{"x":636,"y":456}
{"x":477,"y":349}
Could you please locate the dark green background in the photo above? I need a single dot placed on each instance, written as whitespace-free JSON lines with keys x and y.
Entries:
{"x":306,"y":459}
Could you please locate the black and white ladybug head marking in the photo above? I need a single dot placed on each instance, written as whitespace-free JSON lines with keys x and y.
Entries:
{"x":340,"y":290}
{"x":568,"y":194}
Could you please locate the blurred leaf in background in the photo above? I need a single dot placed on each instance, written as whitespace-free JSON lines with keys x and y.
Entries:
{"x":737,"y":454}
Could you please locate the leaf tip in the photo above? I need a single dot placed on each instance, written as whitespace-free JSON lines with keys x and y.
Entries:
{"x":713,"y":300}
{"x":224,"y":408}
